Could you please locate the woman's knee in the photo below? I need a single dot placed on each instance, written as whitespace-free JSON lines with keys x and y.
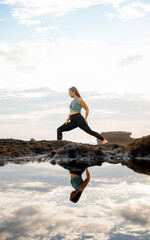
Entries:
{"x":59,"y":129}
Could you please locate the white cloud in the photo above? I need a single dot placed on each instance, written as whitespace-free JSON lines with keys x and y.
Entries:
{"x":45,"y":29}
{"x":131,"y":10}
{"x":130,"y":60}
{"x":33,"y":113}
{"x":29,"y":22}
{"x":76,"y":61}
{"x":106,"y":207}
{"x":109,"y":71}
{"x":25,"y":11}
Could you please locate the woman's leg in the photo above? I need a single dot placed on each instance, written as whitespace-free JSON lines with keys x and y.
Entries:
{"x":84,"y":126}
{"x":65,"y":127}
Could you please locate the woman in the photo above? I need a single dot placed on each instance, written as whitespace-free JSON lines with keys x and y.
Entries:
{"x":78,"y":183}
{"x":75,"y":117}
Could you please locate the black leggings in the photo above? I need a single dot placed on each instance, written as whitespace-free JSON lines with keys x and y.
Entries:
{"x":78,"y":172}
{"x":77,"y":120}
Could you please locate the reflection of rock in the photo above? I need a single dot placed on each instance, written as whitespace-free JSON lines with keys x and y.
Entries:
{"x":117,"y":137}
{"x":76,"y":156}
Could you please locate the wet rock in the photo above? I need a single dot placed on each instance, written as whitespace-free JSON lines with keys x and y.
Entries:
{"x":135,"y":155}
{"x":77,"y":156}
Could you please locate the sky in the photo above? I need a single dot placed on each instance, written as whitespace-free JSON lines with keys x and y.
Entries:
{"x":114,"y":205}
{"x":100,"y":46}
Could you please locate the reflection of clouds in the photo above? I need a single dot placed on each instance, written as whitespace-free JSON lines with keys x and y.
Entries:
{"x":24,"y":220}
{"x":137,"y":213}
{"x":29,"y":219}
{"x":108,"y":206}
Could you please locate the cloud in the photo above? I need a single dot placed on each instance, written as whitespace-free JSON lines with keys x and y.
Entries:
{"x":132,"y":10}
{"x":75,"y":61}
{"x":23,"y":220}
{"x":44,"y":30}
{"x":116,"y":202}
{"x":17,"y":56}
{"x":46,"y":100}
{"x":29,"y":22}
{"x":33,"y":93}
{"x":34,"y":112}
{"x":130,"y":60}
{"x":30,"y":9}
{"x":137,"y":214}
{"x":25,"y":11}
{"x":33,"y":220}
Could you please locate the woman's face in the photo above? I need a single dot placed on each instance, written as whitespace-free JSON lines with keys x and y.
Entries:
{"x":71,"y":93}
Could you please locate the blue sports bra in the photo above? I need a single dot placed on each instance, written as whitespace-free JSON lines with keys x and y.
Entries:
{"x":76,"y":181}
{"x":75,"y":106}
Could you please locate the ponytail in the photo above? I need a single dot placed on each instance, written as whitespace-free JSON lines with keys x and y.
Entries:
{"x":75,"y":90}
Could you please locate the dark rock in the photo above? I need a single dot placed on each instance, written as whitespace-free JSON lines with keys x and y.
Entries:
{"x":32,"y":139}
{"x":139,"y":147}
{"x":75,"y":155}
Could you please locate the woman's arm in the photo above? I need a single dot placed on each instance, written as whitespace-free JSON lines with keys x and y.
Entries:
{"x":85,"y":182}
{"x":83,"y":104}
{"x":68,"y":117}
{"x":86,"y":114}
{"x":87,"y":173}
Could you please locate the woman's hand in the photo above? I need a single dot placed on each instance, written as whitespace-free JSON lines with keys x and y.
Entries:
{"x":86,"y":121}
{"x":65,"y":122}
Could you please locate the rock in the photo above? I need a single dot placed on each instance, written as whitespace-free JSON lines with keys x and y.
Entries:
{"x":135,"y":155}
{"x":76,"y":155}
{"x":117,"y":137}
{"x":139,"y":147}
{"x":32,"y":139}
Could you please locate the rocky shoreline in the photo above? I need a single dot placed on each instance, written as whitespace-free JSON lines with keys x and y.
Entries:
{"x":76,"y":155}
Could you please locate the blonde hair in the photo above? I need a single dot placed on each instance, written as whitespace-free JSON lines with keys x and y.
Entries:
{"x":75,"y":90}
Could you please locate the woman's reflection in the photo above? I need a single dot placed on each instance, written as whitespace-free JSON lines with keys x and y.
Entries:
{"x":78,"y":183}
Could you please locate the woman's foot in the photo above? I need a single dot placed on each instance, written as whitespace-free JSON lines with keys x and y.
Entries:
{"x":104,"y":141}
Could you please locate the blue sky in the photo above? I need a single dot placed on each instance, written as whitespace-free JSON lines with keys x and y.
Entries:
{"x":102,"y":47}
{"x":91,"y":23}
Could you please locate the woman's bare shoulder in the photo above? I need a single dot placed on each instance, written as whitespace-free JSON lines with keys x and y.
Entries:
{"x":80,"y":99}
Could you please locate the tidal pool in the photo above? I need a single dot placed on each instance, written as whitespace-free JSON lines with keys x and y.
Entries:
{"x":35,"y":204}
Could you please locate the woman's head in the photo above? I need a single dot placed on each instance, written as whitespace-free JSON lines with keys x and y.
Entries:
{"x":74,"y":196}
{"x":73,"y":91}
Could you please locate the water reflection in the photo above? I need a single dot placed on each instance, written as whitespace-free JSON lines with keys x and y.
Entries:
{"x":34,"y":204}
{"x":78,"y":183}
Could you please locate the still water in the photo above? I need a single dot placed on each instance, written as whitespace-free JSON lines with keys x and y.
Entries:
{"x":35,"y":204}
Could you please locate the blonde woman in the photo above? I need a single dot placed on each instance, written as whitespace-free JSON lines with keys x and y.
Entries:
{"x":75,"y":117}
